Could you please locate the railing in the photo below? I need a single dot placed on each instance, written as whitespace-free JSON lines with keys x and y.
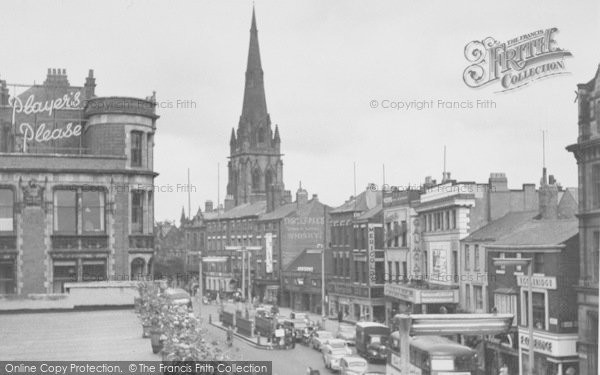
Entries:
{"x":72,"y":242}
{"x":141,"y":241}
{"x":8,"y":243}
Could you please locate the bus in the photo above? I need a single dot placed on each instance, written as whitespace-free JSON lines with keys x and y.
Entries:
{"x":432,"y":355}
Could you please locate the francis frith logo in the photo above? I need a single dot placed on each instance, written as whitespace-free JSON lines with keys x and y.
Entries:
{"x":516,"y":62}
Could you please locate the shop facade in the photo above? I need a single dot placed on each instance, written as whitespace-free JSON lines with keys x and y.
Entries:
{"x":77,"y":201}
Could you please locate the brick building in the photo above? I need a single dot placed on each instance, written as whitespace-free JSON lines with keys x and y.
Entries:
{"x":550,"y":238}
{"x":76,"y":190}
{"x":587,"y":154}
{"x":302,"y":280}
{"x":358,"y":258}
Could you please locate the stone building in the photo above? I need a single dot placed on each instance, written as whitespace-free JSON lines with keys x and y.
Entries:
{"x":76,"y":190}
{"x":587,"y":154}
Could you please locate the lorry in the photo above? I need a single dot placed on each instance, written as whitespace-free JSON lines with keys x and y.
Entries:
{"x":371,"y":340}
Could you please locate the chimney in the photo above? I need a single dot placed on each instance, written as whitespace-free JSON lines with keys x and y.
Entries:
{"x":89,"y":89}
{"x":301,"y":196}
{"x":56,"y":77}
{"x":208,"y":206}
{"x":548,"y":198}
{"x":445,"y":177}
{"x":498,"y":182}
{"x":315,"y":197}
{"x":229,"y":202}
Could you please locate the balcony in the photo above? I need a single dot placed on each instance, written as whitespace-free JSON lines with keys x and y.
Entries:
{"x":141,"y":241}
{"x":83,"y":243}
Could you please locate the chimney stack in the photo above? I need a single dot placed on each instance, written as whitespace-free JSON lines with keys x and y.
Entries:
{"x":208,"y":206}
{"x":548,"y":201}
{"x":89,"y":89}
{"x":498,"y":182}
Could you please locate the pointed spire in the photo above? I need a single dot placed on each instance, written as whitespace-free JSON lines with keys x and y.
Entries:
{"x":232,"y":139}
{"x":255,"y":105}
{"x":276,"y":136}
{"x":182,"y":219}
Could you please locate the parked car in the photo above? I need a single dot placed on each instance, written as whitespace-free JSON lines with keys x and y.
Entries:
{"x":320,"y":338}
{"x":177,"y":296}
{"x":371,"y":340}
{"x":347,"y":332}
{"x":333,"y":351}
{"x":352,"y":365}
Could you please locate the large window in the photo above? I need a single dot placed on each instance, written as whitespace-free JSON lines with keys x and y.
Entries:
{"x":8,"y":283}
{"x":538,"y":263}
{"x":137,"y":211}
{"x":467,"y":257}
{"x":65,"y":211}
{"x":539,"y":309}
{"x":506,"y":303}
{"x":64,"y":271}
{"x":476,"y":258}
{"x":7,"y":201}
{"x":68,"y":213}
{"x":136,"y":149}
{"x":92,"y":209}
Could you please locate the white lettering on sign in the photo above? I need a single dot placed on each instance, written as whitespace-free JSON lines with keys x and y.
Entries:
{"x":44,"y":135}
{"x":542,"y":282}
{"x":67,"y":101}
{"x":371,"y":253}
{"x":538,"y":344}
{"x":305,"y":269}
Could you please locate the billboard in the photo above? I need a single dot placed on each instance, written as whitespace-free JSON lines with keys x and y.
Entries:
{"x":269,"y":252}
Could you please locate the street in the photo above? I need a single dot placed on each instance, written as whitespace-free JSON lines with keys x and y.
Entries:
{"x":117,"y":335}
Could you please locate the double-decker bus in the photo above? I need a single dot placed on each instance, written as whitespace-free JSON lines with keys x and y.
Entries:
{"x":432,"y":355}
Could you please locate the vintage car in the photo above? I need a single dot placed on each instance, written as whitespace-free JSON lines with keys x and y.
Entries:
{"x":347,"y":332}
{"x":333,"y":351}
{"x":371,"y":340}
{"x":352,"y":365}
{"x":320,"y":338}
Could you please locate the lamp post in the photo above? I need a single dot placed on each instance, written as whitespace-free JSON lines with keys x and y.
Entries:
{"x":528,"y":262}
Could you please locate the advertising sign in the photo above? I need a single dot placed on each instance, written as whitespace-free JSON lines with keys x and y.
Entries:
{"x":371,"y":252}
{"x":269,"y":252}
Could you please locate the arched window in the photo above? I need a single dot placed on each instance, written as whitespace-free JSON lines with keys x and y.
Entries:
{"x":256,"y":179}
{"x":261,"y":135}
{"x":268,"y":179}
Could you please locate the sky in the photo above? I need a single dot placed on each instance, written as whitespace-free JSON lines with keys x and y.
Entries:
{"x":324,"y":63}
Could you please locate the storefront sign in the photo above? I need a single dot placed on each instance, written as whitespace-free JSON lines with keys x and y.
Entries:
{"x":371,"y":252}
{"x":304,"y":269}
{"x":540,"y":282}
{"x":556,"y":345}
{"x":351,"y":290}
{"x":439,"y":296}
{"x":269,"y":252}
{"x":67,"y":101}
{"x":42,"y":134}
{"x":399,"y":292}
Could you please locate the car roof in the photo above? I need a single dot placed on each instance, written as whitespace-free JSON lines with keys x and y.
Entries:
{"x":177,"y":293}
{"x":338,"y":341}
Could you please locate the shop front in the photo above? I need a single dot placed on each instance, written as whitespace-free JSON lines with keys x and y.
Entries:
{"x":418,"y":299}
{"x":553,"y":353}
{"x":357,"y":303}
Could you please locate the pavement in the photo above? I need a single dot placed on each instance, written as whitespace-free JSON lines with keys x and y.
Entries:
{"x":74,"y":336}
{"x":113,"y":335}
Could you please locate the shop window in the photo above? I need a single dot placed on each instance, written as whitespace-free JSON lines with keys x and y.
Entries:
{"x":136,"y":148}
{"x":137,"y":211}
{"x":64,"y":272}
{"x":8,"y":283}
{"x":7,"y":202}
{"x":94,"y":270}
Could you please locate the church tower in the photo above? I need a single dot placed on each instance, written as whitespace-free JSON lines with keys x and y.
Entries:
{"x":255,"y":166}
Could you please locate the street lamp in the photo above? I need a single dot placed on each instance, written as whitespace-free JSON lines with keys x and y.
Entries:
{"x":321,"y":250}
{"x":528,"y":262}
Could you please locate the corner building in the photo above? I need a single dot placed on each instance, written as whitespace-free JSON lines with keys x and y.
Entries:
{"x":76,"y":185}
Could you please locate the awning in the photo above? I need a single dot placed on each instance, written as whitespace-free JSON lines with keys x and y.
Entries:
{"x":214,"y":259}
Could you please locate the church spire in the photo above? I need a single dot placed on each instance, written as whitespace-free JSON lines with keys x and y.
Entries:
{"x":255,"y":105}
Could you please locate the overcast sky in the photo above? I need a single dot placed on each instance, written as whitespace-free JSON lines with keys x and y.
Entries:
{"x":324,"y":62}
